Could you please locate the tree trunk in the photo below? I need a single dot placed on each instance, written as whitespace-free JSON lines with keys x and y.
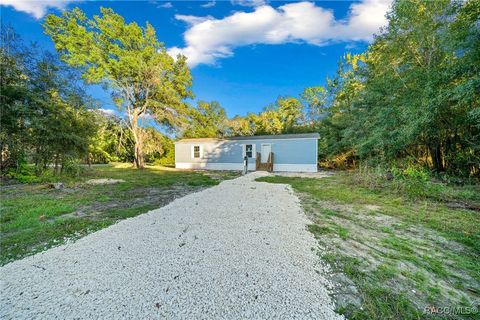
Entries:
{"x":55,"y":171}
{"x":437,"y":158}
{"x":139,"y":158}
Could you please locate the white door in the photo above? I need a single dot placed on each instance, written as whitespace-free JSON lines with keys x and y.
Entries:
{"x":266,"y":149}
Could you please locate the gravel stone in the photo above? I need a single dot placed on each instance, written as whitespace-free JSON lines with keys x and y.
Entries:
{"x":239,"y":250}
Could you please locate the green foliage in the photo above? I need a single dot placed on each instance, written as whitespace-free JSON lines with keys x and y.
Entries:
{"x":284,"y":116}
{"x":414,"y":94}
{"x":113,"y":141}
{"x":23,"y":174}
{"x":168,"y":156}
{"x":241,"y":126}
{"x":45,"y":114}
{"x":207,"y":120}
{"x":128,"y":59}
{"x":13,"y":87}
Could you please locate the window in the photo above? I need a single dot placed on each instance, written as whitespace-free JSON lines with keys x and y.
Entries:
{"x":196,"y":151}
{"x":249,"y":150}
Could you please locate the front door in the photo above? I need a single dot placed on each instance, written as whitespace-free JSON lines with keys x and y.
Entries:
{"x":266,"y":149}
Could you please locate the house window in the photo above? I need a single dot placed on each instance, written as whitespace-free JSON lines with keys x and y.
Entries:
{"x":196,"y":151}
{"x":249,"y":150}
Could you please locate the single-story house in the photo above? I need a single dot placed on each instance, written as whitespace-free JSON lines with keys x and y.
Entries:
{"x":284,"y":152}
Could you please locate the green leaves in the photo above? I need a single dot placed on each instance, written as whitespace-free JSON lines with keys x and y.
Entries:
{"x":411,"y":93}
{"x":207,"y":120}
{"x":130,"y":61}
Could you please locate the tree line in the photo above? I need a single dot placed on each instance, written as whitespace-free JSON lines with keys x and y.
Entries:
{"x":412,"y":98}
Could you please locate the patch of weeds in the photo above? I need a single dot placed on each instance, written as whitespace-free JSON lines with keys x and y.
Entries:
{"x":378,"y":301}
{"x":318,"y":230}
{"x":328,"y":212}
{"x":401,"y":246}
{"x":47,"y":235}
{"x":124,"y":213}
{"x":386,"y":230}
{"x":384,"y":303}
{"x":342,"y":232}
{"x":202,"y":181}
{"x":434,"y":265}
{"x":418,"y":278}
{"x":386,"y":272}
{"x":433,"y":292}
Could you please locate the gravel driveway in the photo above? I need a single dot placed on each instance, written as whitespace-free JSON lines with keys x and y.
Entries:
{"x":238,"y":250}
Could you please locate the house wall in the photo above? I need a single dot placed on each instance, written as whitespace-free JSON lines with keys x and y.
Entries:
{"x":289,"y":154}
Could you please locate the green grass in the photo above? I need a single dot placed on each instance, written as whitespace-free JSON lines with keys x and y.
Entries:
{"x":34,"y":217}
{"x":411,"y":250}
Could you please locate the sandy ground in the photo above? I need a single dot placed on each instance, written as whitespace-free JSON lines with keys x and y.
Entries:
{"x":238,"y":250}
{"x":316,"y":175}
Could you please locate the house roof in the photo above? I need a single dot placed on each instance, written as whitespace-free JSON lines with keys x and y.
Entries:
{"x":266,"y":137}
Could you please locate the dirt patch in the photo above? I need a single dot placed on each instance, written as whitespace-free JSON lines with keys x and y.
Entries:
{"x":103,"y":181}
{"x":372,"y":207}
{"x":315,"y":175}
{"x":138,"y":197}
{"x":221,"y":175}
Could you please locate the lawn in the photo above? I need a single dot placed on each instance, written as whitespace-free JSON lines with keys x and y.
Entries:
{"x":395,"y":251}
{"x":35,"y":216}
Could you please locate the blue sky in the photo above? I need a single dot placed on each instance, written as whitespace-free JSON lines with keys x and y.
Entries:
{"x":243,"y":54}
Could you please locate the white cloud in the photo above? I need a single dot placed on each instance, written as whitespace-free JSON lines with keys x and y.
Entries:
{"x":166,"y":5}
{"x":208,"y":4}
{"x":208,"y":39}
{"x":37,"y":8}
{"x":106,"y":112}
{"x":192,"y":20}
{"x":248,"y":3}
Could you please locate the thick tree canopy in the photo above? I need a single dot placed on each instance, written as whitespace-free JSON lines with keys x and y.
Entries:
{"x":207,"y":120}
{"x":413,"y":96}
{"x":129,"y":60}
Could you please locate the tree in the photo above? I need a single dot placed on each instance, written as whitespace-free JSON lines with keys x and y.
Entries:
{"x":60,"y":124}
{"x":240,"y":126}
{"x":284,"y":116}
{"x":290,"y":113}
{"x":268,"y":122}
{"x":315,"y":99}
{"x":207,"y":120}
{"x":44,"y":110}
{"x":13,"y":109}
{"x":413,"y":96}
{"x":113,"y":141}
{"x":130,"y":61}
{"x":416,"y":102}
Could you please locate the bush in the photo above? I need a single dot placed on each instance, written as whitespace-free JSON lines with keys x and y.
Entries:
{"x":73,"y":168}
{"x":25,"y":174}
{"x":168,"y":159}
{"x":414,"y":182}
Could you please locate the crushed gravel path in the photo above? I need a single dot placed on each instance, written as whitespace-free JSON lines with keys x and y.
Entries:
{"x":238,"y":250}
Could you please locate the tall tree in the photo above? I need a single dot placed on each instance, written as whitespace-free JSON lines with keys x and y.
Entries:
{"x":130,"y":61}
{"x":13,"y":108}
{"x":240,"y":126}
{"x":413,"y":96}
{"x":208,"y":120}
{"x":290,"y":113}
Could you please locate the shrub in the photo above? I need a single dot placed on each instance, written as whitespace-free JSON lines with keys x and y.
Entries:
{"x":25,"y":174}
{"x":73,"y":168}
